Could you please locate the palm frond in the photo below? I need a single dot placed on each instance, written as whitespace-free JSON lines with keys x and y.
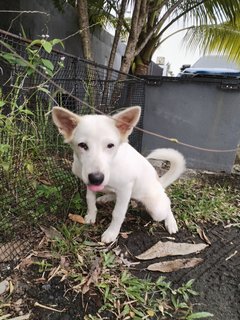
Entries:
{"x":200,"y":12}
{"x":223,"y":39}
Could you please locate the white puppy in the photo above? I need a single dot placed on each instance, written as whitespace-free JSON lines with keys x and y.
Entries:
{"x":105,"y":161}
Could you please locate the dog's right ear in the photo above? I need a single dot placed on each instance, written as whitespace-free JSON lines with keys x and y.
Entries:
{"x":126,"y":120}
{"x":66,"y":121}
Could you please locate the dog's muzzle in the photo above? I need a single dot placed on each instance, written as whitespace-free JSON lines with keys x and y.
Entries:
{"x":96,"y":178}
{"x":95,"y":181}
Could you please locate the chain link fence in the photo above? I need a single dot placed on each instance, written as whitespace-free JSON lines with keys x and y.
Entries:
{"x":36,"y":184}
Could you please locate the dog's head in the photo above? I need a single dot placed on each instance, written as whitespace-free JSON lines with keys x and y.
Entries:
{"x":95,"y":140}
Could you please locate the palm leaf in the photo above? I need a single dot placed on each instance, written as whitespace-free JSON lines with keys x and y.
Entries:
{"x":223,"y":39}
{"x":201,"y":12}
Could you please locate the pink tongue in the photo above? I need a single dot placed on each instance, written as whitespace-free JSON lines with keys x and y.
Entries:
{"x":95,"y":188}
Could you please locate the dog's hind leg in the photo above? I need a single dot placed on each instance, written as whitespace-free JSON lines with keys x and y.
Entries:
{"x":106,"y":198}
{"x":159,"y":207}
{"x":92,"y":209}
{"x":118,"y":214}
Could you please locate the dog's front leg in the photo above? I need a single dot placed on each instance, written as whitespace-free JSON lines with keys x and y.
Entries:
{"x":92,"y":209}
{"x":122,"y":200}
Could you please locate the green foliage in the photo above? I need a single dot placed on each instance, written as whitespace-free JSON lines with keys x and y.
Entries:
{"x":17,"y":119}
{"x":196,"y":201}
{"x":211,"y":26}
{"x":99,"y":11}
{"x":25,"y":135}
{"x":142,"y":298}
{"x":43,"y":265}
{"x":216,"y":38}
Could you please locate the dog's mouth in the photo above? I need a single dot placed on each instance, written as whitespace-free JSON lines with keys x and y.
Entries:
{"x":95,"y":188}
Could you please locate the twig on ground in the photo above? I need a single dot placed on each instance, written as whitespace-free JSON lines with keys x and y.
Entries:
{"x":36,"y":304}
{"x":231,"y":255}
{"x":24,"y":317}
{"x":232,"y":225}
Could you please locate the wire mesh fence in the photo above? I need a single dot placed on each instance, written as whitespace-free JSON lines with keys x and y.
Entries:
{"x":36,"y":183}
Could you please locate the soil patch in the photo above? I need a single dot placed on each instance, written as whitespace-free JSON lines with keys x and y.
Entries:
{"x":217,"y":279}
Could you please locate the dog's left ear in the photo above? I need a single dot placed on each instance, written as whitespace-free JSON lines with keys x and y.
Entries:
{"x":66,"y":121}
{"x":126,"y":120}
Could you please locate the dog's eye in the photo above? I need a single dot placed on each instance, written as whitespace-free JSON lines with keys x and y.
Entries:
{"x":83,"y":145}
{"x":110,"y":145}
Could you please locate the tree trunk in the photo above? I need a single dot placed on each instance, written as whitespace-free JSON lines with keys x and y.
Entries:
{"x":113,"y":55}
{"x":85,"y":35}
{"x":144,"y":58}
{"x":117,"y":34}
{"x":138,"y":19}
{"x":90,"y":94}
{"x":140,"y":67}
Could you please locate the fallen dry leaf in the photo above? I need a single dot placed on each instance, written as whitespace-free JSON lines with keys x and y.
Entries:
{"x":51,"y":233}
{"x":169,"y":248}
{"x":4,"y":286}
{"x":24,"y":263}
{"x":170,"y":266}
{"x":203,"y":236}
{"x":92,"y":277}
{"x":46,"y":254}
{"x":46,"y":182}
{"x":76,"y":218}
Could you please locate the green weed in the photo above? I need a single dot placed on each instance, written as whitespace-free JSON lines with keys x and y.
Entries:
{"x":196,"y":201}
{"x":123,"y":295}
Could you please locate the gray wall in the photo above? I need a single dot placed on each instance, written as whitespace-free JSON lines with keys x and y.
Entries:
{"x":56,"y":25}
{"x":195,"y":112}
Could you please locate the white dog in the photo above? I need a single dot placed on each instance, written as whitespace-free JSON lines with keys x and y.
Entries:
{"x":105,"y":161}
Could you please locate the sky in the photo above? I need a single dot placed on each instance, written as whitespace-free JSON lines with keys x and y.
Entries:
{"x":175,"y":53}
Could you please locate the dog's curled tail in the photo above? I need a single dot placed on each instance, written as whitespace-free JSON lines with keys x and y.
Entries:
{"x":177,"y":164}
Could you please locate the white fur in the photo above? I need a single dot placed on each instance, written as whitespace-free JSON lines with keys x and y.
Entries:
{"x":127,"y":174}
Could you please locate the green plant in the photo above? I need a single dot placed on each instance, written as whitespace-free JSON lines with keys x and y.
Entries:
{"x":127,"y":296}
{"x":25,"y":130}
{"x":43,"y":265}
{"x":196,"y":201}
{"x":72,"y":241}
{"x":17,"y":119}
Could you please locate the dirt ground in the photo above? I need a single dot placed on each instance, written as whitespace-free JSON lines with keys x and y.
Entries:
{"x":217,"y":278}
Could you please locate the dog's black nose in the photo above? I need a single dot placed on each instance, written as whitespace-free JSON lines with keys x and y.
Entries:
{"x":96,"y":178}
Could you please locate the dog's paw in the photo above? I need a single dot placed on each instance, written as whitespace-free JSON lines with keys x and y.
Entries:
{"x":109,"y":236}
{"x":171,"y":225}
{"x":106,"y":198}
{"x":90,"y":218}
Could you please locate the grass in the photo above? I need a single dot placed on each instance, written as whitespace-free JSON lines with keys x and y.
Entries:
{"x":93,"y":269}
{"x":125,"y":296}
{"x":196,"y":201}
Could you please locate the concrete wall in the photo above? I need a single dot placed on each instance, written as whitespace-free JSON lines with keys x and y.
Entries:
{"x":56,"y":25}
{"x":202,"y":113}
